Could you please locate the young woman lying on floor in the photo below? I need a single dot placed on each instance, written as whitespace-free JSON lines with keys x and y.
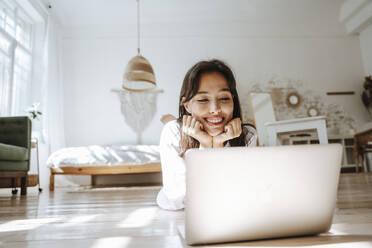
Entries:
{"x":209,"y":117}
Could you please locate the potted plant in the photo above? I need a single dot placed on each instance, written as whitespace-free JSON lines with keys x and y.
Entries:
{"x":367,"y":94}
{"x":33,"y":112}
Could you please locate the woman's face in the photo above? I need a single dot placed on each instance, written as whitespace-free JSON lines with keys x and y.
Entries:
{"x":213,"y":104}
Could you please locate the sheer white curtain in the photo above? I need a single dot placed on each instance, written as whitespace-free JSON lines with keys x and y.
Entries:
{"x":51,"y":98}
{"x":52,"y":89}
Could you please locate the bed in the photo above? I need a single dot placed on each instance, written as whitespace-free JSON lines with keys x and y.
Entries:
{"x":104,"y":160}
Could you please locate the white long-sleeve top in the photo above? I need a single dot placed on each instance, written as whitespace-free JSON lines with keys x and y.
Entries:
{"x":172,"y":194}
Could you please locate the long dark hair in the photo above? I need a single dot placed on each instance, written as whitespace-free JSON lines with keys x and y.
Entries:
{"x":189,"y":89}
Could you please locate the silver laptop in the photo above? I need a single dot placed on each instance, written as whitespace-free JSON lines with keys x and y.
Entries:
{"x":239,"y":193}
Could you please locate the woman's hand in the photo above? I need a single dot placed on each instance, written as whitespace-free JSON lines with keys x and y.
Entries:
{"x":193,"y":128}
{"x":232,"y":130}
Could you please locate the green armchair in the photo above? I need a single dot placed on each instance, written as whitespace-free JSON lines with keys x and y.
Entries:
{"x":15,"y":148}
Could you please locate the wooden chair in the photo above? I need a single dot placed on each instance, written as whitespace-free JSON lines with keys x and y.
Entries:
{"x":362,"y":146}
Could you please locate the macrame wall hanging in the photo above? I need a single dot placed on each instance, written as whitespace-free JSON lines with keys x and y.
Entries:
{"x":138,"y":109}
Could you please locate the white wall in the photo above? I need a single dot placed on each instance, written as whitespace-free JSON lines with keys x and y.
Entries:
{"x":366,"y":48}
{"x":356,"y":15}
{"x":94,"y":60}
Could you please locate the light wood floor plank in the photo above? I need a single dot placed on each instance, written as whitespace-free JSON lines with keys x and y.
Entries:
{"x":130,"y":218}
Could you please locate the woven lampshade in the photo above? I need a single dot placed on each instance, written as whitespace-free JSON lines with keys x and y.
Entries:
{"x":139,"y":75}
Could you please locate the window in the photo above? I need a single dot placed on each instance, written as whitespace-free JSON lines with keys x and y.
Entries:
{"x":15,"y":58}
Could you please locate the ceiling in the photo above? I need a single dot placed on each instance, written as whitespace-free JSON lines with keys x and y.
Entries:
{"x":88,"y":13}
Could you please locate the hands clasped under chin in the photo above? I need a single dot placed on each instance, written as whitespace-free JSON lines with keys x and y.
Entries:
{"x":232,"y":130}
{"x":195,"y":129}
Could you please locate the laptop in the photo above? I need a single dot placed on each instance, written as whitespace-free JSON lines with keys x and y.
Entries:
{"x":240,"y":193}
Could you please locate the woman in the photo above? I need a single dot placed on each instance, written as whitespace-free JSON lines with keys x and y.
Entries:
{"x":209,"y":117}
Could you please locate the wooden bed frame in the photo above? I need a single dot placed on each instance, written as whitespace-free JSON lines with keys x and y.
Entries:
{"x":102,"y":170}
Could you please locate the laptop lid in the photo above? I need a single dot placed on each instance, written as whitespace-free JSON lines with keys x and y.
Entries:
{"x":241,"y":193}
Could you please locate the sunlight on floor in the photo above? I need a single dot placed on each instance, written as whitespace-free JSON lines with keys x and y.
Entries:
{"x":139,"y":218}
{"x":337,"y":231}
{"x":346,"y":245}
{"x":79,"y":220}
{"x":352,"y":228}
{"x":21,"y":225}
{"x":112,"y":242}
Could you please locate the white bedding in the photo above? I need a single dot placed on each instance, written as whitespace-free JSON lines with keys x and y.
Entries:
{"x":104,"y":155}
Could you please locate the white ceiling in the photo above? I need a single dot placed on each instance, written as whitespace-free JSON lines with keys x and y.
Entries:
{"x":88,"y":13}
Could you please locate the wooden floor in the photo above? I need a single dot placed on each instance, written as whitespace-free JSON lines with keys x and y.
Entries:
{"x":122,"y":217}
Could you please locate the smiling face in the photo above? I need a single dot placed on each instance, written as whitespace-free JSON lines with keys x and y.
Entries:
{"x":213,"y":104}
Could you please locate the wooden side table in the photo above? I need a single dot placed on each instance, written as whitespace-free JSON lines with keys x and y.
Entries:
{"x":35,"y":144}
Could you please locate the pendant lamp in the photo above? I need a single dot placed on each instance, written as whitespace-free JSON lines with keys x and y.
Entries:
{"x":139,"y":75}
